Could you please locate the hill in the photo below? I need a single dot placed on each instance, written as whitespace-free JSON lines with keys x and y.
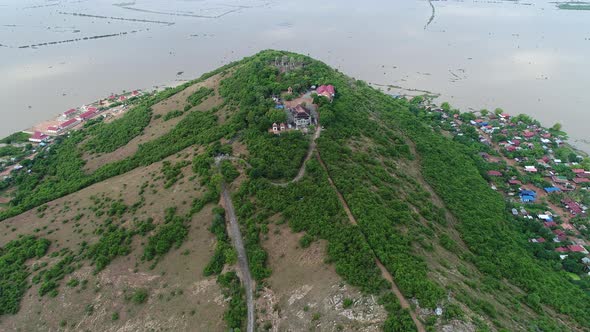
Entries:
{"x":217,"y":201}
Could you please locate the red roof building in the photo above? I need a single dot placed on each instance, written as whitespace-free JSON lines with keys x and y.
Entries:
{"x":561,"y":249}
{"x":68,"y":124}
{"x":578,"y":170}
{"x":550,"y":224}
{"x":581,"y":180}
{"x":327,"y":91}
{"x":122,"y":98}
{"x":70,"y":112}
{"x":88,"y":114}
{"x":38,"y":137}
{"x":494,"y":173}
{"x":514,"y":182}
{"x":540,"y":240}
{"x":576,"y":248}
{"x":574,"y":207}
{"x":528,"y":134}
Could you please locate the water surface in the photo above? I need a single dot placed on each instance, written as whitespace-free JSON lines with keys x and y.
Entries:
{"x":525,"y":57}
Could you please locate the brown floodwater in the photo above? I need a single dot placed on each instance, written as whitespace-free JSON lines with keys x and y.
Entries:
{"x":523,"y":56}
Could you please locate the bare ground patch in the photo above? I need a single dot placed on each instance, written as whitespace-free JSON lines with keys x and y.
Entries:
{"x":306,"y":294}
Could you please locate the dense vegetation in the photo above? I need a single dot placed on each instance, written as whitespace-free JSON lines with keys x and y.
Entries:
{"x":224,"y":252}
{"x":108,"y":137}
{"x":172,"y":114}
{"x":171,"y":234}
{"x":197,"y":97}
{"x":18,"y":137}
{"x":235,"y":315}
{"x":14,"y":272}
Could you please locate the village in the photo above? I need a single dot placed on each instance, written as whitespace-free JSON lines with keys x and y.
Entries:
{"x":541,"y":177}
{"x":41,"y":135}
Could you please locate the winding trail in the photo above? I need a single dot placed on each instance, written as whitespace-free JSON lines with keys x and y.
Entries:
{"x":236,"y":237}
{"x":403,"y":301}
{"x":310,"y":150}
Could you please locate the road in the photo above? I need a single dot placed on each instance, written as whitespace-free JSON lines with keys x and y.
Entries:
{"x":236,"y":237}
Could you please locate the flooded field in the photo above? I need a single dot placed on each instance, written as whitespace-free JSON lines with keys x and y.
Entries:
{"x":523,"y":56}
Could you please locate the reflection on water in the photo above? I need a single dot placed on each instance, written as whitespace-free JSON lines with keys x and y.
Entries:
{"x":525,"y":57}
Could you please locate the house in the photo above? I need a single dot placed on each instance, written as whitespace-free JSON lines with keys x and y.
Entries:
{"x":561,"y":249}
{"x":68,"y":124}
{"x":578,"y":171}
{"x":530,"y":169}
{"x":559,"y":179}
{"x":572,"y":206}
{"x":514,"y":182}
{"x":559,"y":235}
{"x":528,"y":134}
{"x":53,"y":129}
{"x":586,"y":261}
{"x":581,"y":180}
{"x":301,"y":117}
{"x":528,"y":193}
{"x":38,"y":137}
{"x":577,"y":248}
{"x":88,"y":114}
{"x":69,"y":112}
{"x":514,"y":212}
{"x":494,"y":173}
{"x":538,"y":240}
{"x":550,"y":190}
{"x":327,"y":91}
{"x":527,"y":198}
{"x":550,"y":224}
{"x":545,"y":217}
{"x":278,"y":128}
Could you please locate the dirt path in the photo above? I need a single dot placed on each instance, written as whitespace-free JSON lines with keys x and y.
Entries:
{"x":236,"y":237}
{"x":301,"y":173}
{"x":403,"y":301}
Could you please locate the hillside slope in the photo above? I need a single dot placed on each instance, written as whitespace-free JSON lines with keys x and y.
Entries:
{"x":129,"y":232}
